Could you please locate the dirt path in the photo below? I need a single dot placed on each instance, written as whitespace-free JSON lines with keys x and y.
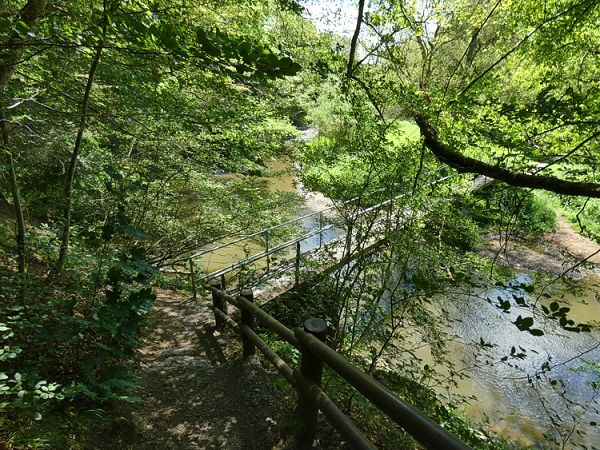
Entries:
{"x":554,"y":253}
{"x":197,"y":391}
{"x":574,"y":243}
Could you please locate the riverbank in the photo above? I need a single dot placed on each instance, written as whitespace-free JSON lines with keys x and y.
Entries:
{"x":563,"y":252}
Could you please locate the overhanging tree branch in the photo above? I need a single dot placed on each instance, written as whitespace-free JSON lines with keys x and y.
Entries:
{"x":466,"y":164}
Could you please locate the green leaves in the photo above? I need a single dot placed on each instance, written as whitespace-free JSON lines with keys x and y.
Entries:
{"x":227,"y":53}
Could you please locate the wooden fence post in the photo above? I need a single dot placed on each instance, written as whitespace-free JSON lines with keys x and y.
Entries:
{"x":218,"y":302}
{"x":193,"y":277}
{"x":311,"y":367}
{"x":248,"y":320}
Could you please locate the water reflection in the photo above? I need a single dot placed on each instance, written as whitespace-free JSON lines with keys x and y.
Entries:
{"x":524,"y":382}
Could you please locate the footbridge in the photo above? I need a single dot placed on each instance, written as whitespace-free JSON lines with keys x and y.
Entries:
{"x":332,"y":230}
{"x":281,"y":253}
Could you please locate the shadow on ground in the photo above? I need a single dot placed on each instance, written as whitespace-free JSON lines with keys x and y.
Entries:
{"x":197,"y":391}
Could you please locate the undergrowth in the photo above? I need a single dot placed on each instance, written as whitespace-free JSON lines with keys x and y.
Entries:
{"x":66,"y":339}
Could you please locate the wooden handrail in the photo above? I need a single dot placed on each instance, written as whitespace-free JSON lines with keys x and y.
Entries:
{"x":265,"y":318}
{"x":412,"y":420}
{"x":420,"y":427}
{"x":338,"y":419}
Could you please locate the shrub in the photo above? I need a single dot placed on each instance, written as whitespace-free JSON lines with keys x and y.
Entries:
{"x":536,"y":217}
{"x":447,"y":223}
{"x":500,"y":204}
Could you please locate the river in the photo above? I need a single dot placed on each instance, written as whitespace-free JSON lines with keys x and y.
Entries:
{"x":518,"y":403}
{"x":281,"y":179}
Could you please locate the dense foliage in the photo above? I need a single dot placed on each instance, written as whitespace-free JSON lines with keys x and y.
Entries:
{"x":120,"y":116}
{"x":133,"y":131}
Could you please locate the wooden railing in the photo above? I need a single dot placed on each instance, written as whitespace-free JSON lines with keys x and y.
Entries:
{"x":307,"y":378}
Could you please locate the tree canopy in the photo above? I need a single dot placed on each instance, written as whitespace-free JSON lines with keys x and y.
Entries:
{"x":135,"y":132}
{"x":512,"y":82}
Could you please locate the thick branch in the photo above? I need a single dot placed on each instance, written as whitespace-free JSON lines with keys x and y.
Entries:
{"x":470,"y":165}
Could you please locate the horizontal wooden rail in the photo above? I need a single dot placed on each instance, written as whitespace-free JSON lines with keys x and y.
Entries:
{"x":338,"y":419}
{"x":266,"y":319}
{"x":420,"y":427}
{"x":282,"y":367}
{"x":225,"y":318}
{"x":413,"y":421}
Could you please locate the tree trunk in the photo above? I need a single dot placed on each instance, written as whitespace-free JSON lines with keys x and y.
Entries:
{"x":354,"y":41}
{"x":64,"y":246}
{"x":14,"y":188}
{"x":9,"y":58}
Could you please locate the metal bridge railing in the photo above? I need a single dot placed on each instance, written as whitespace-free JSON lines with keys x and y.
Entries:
{"x":269,"y":251}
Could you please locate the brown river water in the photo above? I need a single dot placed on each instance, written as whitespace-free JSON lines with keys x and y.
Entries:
{"x":508,"y":391}
{"x":283,"y":180}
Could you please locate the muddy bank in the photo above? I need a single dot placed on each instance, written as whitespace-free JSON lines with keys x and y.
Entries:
{"x":563,"y":251}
